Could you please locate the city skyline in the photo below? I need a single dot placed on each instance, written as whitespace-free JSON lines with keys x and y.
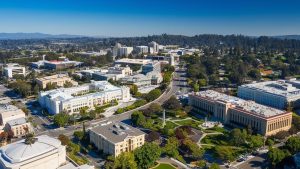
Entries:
{"x":135,"y":18}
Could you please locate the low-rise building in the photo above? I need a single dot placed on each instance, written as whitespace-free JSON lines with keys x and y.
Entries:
{"x":41,"y":152}
{"x":115,"y":138}
{"x":126,"y":61}
{"x":58,"y":79}
{"x":141,"y":80}
{"x":18,"y":127}
{"x":154,"y":66}
{"x":278,"y":94}
{"x":71,"y":100}
{"x":63,"y":63}
{"x":238,"y":112}
{"x":8,"y":113}
{"x":14,"y":69}
{"x":12,"y":119}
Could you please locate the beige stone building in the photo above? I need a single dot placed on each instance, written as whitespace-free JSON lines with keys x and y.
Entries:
{"x":8,"y":113}
{"x":58,"y":79}
{"x":19,"y":127}
{"x":238,"y":112}
{"x":115,"y":138}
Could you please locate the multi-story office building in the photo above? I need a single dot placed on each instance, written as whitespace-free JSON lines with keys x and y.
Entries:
{"x":142,"y":49}
{"x":71,"y":100}
{"x":238,"y":112}
{"x":115,"y":138}
{"x":154,"y":46}
{"x":125,"y":51}
{"x":58,"y":79}
{"x":276,"y":94}
{"x":14,"y":69}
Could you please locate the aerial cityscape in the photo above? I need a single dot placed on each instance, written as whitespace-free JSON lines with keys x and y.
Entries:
{"x":131,"y":84}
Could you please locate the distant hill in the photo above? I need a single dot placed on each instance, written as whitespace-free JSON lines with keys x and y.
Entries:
{"x":296,"y":37}
{"x":36,"y":36}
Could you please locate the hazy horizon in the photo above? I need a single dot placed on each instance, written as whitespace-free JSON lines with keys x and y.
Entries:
{"x":131,"y":18}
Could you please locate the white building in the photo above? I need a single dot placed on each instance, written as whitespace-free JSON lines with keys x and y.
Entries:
{"x":141,"y":80}
{"x":142,"y":49}
{"x":13,"y":119}
{"x":154,"y":46}
{"x":126,"y":61}
{"x":125,"y":51}
{"x":71,"y":100}
{"x":14,"y":69}
{"x":276,"y":94}
{"x":44,"y":153}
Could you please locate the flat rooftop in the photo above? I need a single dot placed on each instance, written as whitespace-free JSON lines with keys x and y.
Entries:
{"x":116,"y":132}
{"x":133,"y":61}
{"x":280,"y":87}
{"x":249,"y":106}
{"x":52,"y":77}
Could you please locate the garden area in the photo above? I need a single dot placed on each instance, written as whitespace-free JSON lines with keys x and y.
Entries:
{"x":164,"y":166}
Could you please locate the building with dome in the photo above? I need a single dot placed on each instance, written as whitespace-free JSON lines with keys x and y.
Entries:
{"x":44,"y":152}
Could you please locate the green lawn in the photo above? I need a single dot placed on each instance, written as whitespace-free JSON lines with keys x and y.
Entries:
{"x":189,"y":122}
{"x":164,"y":166}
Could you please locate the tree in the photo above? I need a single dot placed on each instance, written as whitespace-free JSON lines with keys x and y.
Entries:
{"x":138,"y":118}
{"x":238,"y":137}
{"x":64,"y":139}
{"x":125,"y":161}
{"x":256,"y":141}
{"x":68,"y":84}
{"x":152,"y":95}
{"x":171,"y":148}
{"x":214,"y":166}
{"x":153,"y":136}
{"x":172,"y":104}
{"x":201,"y":164}
{"x":146,"y":155}
{"x":61,"y":119}
{"x":225,"y":153}
{"x":133,"y":89}
{"x":193,"y":149}
{"x":79,"y":135}
{"x":276,"y":155}
{"x":155,"y":108}
{"x":196,"y":87}
{"x":83,"y":112}
{"x":255,"y":74}
{"x":293,"y":144}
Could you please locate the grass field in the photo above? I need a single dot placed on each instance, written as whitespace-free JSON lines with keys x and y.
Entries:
{"x":190,"y":122}
{"x":164,"y":166}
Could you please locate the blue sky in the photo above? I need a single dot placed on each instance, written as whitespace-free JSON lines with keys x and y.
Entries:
{"x":140,"y":18}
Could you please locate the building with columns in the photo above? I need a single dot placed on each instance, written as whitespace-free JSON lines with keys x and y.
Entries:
{"x":238,"y":112}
